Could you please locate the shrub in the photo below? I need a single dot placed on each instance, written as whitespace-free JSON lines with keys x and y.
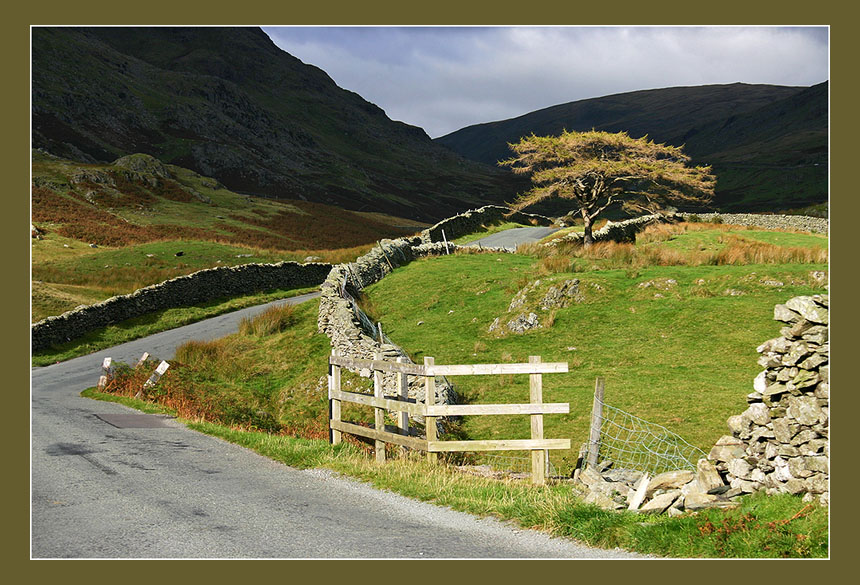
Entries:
{"x":201,"y":352}
{"x":553,"y":264}
{"x":273,"y":320}
{"x":741,"y":251}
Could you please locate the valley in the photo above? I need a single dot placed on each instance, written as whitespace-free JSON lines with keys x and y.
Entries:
{"x":163,"y":152}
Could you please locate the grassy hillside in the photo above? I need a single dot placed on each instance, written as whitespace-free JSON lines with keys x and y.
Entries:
{"x":227,"y":103}
{"x":671,"y":323}
{"x":150,"y":222}
{"x":767,"y":144}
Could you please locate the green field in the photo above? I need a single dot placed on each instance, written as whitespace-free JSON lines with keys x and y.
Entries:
{"x":684,"y":359}
{"x":675,"y":344}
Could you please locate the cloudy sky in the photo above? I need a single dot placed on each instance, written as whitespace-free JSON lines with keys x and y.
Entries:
{"x":445,"y":78}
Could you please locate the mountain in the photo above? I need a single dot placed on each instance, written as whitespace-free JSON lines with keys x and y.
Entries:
{"x":767,"y":144}
{"x":228,"y":103}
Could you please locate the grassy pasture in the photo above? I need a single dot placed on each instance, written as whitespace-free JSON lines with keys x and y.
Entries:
{"x":675,"y":343}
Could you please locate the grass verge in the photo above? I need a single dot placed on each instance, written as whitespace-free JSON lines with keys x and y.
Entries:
{"x":142,"y":326}
{"x":762,"y":527}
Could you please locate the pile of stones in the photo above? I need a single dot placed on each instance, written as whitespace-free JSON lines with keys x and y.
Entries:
{"x":671,"y":492}
{"x":781,"y":442}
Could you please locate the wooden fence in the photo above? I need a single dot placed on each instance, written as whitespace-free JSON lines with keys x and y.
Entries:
{"x":430,"y":410}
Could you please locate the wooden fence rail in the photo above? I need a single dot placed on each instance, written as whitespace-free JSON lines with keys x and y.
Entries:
{"x":430,"y":410}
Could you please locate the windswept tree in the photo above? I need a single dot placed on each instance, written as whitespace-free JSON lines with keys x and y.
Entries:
{"x":599,"y":169}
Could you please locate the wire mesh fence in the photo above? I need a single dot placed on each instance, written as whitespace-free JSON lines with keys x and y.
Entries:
{"x":630,"y":442}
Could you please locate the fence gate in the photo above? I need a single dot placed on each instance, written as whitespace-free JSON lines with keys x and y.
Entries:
{"x":431,"y":444}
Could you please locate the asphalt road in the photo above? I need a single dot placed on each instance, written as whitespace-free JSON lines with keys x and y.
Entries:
{"x":513,"y":237}
{"x":108,"y":482}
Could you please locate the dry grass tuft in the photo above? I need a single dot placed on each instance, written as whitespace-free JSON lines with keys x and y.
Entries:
{"x":740,"y":251}
{"x":554,"y":264}
{"x":273,"y":320}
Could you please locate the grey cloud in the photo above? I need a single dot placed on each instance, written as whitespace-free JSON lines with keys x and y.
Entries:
{"x":445,"y":78}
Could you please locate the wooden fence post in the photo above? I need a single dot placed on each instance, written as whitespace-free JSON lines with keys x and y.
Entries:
{"x":379,"y":413}
{"x":536,"y":397}
{"x":106,"y":373}
{"x":430,"y":400}
{"x":596,"y":421}
{"x":403,"y":394}
{"x":335,"y":436}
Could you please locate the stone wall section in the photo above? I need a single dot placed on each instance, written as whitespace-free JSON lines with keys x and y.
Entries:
{"x":214,"y":283}
{"x":781,"y":442}
{"x":339,"y":318}
{"x":204,"y":285}
{"x":625,"y":231}
{"x":472,"y":220}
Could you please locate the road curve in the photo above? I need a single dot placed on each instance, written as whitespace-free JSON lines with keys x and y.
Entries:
{"x":513,"y":237}
{"x":143,"y":486}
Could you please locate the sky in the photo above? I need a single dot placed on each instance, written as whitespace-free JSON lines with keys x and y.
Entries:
{"x":445,"y":78}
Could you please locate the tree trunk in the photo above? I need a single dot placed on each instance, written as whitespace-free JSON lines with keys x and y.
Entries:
{"x":586,"y":221}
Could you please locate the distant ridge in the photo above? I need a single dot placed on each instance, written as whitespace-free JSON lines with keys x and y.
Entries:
{"x":228,"y":103}
{"x":767,"y":144}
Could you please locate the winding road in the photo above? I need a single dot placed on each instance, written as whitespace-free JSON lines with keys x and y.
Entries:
{"x":110,"y":482}
{"x":513,"y":237}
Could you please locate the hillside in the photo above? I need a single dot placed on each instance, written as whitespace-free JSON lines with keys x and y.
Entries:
{"x":227,"y":103}
{"x":767,"y":144}
{"x":107,"y":229}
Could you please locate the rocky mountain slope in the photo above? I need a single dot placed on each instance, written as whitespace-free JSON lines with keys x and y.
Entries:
{"x":767,"y":144}
{"x":227,"y":103}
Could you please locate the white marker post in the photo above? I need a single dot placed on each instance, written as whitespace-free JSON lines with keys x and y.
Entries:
{"x":159,"y":371}
{"x":107,"y":372}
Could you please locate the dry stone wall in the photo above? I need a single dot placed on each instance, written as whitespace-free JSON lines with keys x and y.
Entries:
{"x":625,"y":231}
{"x":472,"y":220}
{"x":201,"y":286}
{"x":816,"y":225}
{"x":341,"y":320}
{"x":781,"y":442}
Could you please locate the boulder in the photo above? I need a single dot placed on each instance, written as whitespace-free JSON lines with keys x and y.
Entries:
{"x":784,"y":314}
{"x":670,"y":480}
{"x":740,"y":468}
{"x":523,"y":323}
{"x":707,"y":477}
{"x":562,"y":295}
{"x":758,"y":413}
{"x":699,"y":501}
{"x":726,"y":449}
{"x":658,"y":504}
{"x":805,"y":410}
{"x":602,"y":500}
{"x":809,"y":309}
